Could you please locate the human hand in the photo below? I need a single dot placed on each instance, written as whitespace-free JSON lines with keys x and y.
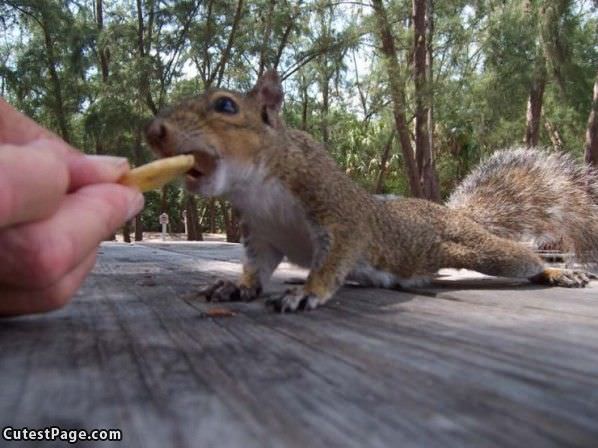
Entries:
{"x":56,"y":206}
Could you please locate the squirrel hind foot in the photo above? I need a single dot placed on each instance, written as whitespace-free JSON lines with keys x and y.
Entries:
{"x":227,"y":291}
{"x":568,"y":278}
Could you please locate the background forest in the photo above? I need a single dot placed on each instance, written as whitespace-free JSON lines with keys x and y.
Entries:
{"x":407,"y":95}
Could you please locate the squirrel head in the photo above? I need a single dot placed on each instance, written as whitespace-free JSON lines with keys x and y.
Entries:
{"x":226,"y":131}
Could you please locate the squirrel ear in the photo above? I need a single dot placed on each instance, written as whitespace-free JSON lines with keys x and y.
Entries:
{"x":268,"y":92}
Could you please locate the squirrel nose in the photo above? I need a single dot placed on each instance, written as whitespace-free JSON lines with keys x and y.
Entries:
{"x":156,"y":132}
{"x":161,"y":137}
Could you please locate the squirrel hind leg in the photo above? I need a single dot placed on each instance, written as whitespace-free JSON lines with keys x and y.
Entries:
{"x":498,"y":257}
{"x":568,"y":278}
{"x":505,"y":258}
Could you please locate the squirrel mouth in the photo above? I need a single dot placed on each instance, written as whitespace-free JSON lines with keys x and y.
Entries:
{"x":205,"y":164}
{"x":194,"y":174}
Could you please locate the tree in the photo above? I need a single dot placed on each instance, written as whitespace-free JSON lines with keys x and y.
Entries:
{"x":534,"y":103}
{"x":423,"y":149}
{"x":397,"y":91}
{"x":49,"y":22}
{"x":591,"y":147}
{"x":492,"y":72}
{"x":379,"y":189}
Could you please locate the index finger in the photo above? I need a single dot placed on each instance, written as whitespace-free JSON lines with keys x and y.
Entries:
{"x":17,"y":128}
{"x":35,"y":178}
{"x":32,"y":184}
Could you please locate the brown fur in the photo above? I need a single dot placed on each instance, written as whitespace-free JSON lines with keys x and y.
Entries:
{"x":535,"y":196}
{"x":319,"y":217}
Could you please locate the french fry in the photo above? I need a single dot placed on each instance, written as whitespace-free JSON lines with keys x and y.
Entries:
{"x":155,"y":174}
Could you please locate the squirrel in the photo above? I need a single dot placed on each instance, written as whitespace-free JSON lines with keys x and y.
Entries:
{"x":294,"y":201}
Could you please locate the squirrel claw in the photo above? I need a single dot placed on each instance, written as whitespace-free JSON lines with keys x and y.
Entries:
{"x":227,"y":291}
{"x":293,"y":300}
{"x":568,"y":278}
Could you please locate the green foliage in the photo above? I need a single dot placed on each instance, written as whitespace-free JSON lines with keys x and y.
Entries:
{"x":484,"y":53}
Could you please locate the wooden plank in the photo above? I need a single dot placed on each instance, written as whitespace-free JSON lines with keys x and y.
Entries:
{"x":500,"y":366}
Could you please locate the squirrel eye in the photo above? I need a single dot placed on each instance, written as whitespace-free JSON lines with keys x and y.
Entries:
{"x":225,"y":105}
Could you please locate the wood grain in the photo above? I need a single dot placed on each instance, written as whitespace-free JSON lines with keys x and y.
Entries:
{"x":465,"y":362}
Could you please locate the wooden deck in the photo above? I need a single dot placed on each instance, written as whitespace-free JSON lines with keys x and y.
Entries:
{"x":473,"y":361}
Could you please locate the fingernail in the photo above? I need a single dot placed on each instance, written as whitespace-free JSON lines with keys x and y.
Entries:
{"x":108,"y":160}
{"x":136,"y":202}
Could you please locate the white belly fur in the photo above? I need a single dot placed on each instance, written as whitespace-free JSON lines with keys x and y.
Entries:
{"x":366,"y":275}
{"x":276,"y":216}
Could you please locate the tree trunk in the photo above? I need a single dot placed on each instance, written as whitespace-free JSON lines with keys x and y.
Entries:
{"x":225,"y":218}
{"x":554,"y":135}
{"x":534,"y":104}
{"x":234,"y":236}
{"x":591,"y":150}
{"x":266,"y":37}
{"x":423,"y":151}
{"x":553,"y":41}
{"x":103,"y":53}
{"x":138,"y":228}
{"x":212,"y":214}
{"x":231,"y":223}
{"x":383,"y":164}
{"x":325,"y":73}
{"x":58,"y":100}
{"x":304,"y":114}
{"x":164,"y":199}
{"x":127,"y":232}
{"x":304,"y":104}
{"x":325,"y":86}
{"x":398,"y":97}
{"x":193,"y":227}
{"x":430,"y":95}
{"x":229,"y":45}
{"x":143,"y":48}
{"x":285,"y":37}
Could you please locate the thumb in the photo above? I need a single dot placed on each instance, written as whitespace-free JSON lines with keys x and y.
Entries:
{"x":42,"y":252}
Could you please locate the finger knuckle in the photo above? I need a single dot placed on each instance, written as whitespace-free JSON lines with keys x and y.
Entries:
{"x":45,"y":263}
{"x":49,"y":162}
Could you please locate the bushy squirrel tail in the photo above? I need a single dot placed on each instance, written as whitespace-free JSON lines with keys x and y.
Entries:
{"x":534,"y":196}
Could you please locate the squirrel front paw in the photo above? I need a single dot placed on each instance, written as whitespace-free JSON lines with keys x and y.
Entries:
{"x":293,"y":300}
{"x":568,"y":278}
{"x":227,"y":291}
